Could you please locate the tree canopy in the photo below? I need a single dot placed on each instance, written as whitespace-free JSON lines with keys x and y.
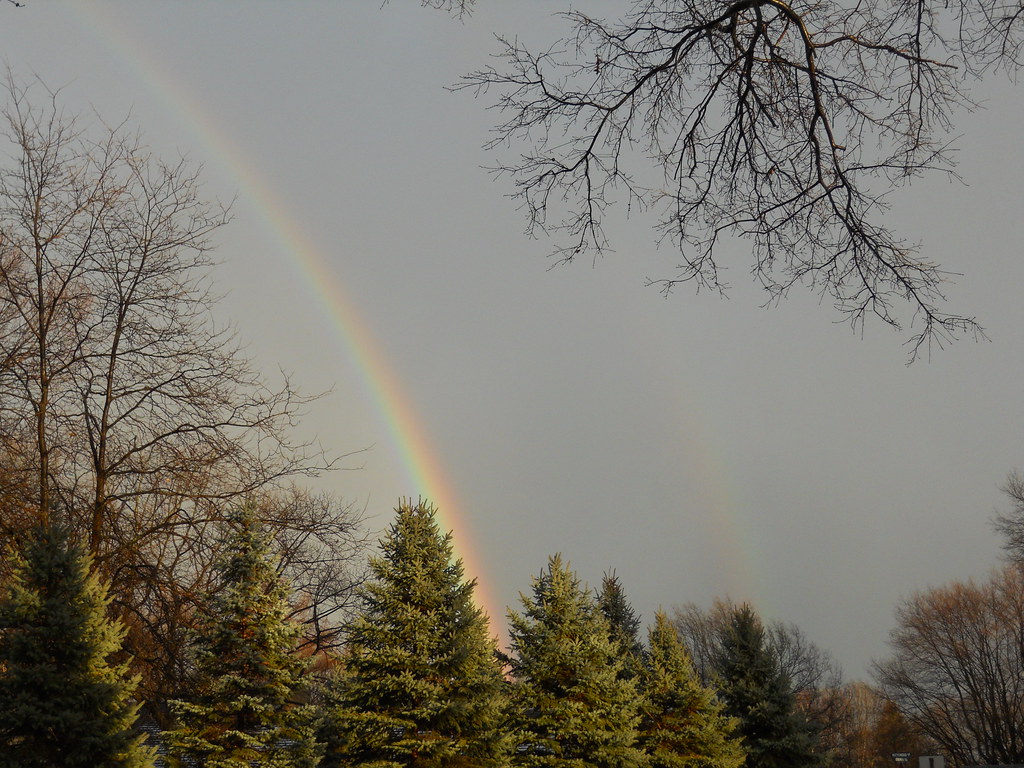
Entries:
{"x":243,"y":697}
{"x":575,"y":707}
{"x":684,"y":724}
{"x":954,"y":669}
{"x":758,"y":693}
{"x":129,"y":415}
{"x":420,"y":683}
{"x":66,"y":692}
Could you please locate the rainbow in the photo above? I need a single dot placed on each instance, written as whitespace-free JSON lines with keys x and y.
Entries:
{"x":703,"y":462}
{"x":404,"y":429}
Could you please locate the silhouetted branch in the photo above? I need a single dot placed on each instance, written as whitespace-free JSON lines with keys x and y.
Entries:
{"x":782,"y":124}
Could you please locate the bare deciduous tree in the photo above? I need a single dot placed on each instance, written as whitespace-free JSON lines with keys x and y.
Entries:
{"x":816,"y":679}
{"x":1011,"y":524}
{"x":785,"y":124}
{"x":321,"y":544}
{"x":457,"y":8}
{"x":124,"y":407}
{"x":806,"y":665}
{"x":955,"y":669}
{"x":873,"y":730}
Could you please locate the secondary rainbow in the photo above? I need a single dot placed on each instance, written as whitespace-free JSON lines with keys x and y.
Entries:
{"x":425,"y":474}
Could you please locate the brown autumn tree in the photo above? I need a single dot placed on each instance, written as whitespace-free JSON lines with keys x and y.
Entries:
{"x":955,"y":669}
{"x":863,"y":709}
{"x":873,"y":730}
{"x":892,"y":732}
{"x":126,"y":411}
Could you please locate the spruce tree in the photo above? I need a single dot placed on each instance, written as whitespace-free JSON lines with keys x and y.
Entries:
{"x":575,"y":707}
{"x":243,"y":706}
{"x":65,"y":696}
{"x":757,"y":692}
{"x":684,"y":725}
{"x":421,"y":685}
{"x":623,"y":624}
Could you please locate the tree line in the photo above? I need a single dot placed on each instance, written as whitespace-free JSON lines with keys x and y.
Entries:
{"x":163,"y":558}
{"x":419,"y":680}
{"x":128,"y":415}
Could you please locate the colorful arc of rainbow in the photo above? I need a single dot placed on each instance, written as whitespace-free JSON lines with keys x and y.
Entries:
{"x":403,"y":426}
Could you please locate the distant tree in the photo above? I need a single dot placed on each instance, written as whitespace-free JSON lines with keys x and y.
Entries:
{"x":66,"y":695}
{"x":815,"y":676}
{"x":244,"y":703}
{"x":854,"y":745}
{"x":892,"y":732}
{"x":759,"y":694}
{"x":1011,"y":524}
{"x":873,"y":729}
{"x":575,"y":708}
{"x":702,"y":631}
{"x":420,"y":685}
{"x":817,"y":682}
{"x":623,"y":623}
{"x":684,"y":724}
{"x":955,"y":669}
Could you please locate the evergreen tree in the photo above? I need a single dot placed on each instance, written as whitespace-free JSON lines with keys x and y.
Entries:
{"x":623,"y":624}
{"x":421,"y":684}
{"x":242,"y":708}
{"x":757,"y":692}
{"x":684,"y":725}
{"x":64,"y":700}
{"x":575,"y":707}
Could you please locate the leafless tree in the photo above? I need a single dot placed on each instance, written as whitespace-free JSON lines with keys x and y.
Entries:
{"x":864,"y":706}
{"x":320,"y":541}
{"x":804,"y":663}
{"x":955,"y":669}
{"x":873,"y":729}
{"x":785,"y":124}
{"x":1011,"y":524}
{"x":457,"y":8}
{"x":125,"y":409}
{"x":322,"y":552}
{"x":816,"y":679}
{"x":701,"y":631}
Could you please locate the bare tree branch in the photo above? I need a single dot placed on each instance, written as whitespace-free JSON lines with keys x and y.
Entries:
{"x":783,"y":124}
{"x":1011,"y":525}
{"x":125,"y":409}
{"x":457,"y":8}
{"x":955,"y":667}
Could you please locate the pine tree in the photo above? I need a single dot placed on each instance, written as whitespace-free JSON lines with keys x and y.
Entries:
{"x":421,"y":684}
{"x":623,"y":623}
{"x":575,"y":707}
{"x":757,"y":692}
{"x":242,"y":708}
{"x":65,"y":701}
{"x":684,"y":725}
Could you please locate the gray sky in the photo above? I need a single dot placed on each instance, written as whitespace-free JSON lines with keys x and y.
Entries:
{"x":700,"y":447}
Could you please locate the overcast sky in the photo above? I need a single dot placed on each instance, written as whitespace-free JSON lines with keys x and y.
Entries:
{"x":699,"y":447}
